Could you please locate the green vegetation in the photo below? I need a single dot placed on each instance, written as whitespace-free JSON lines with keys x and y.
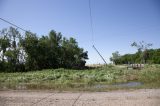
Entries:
{"x":152,"y":57}
{"x":65,"y":79}
{"x":142,"y":56}
{"x":29,"y":52}
{"x":58,"y":62}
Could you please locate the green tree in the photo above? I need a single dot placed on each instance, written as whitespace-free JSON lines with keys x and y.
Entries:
{"x":4,"y":42}
{"x":115,"y":57}
{"x":142,"y":48}
{"x":33,"y":53}
{"x":10,"y":49}
{"x":73,"y":55}
{"x":30,"y":45}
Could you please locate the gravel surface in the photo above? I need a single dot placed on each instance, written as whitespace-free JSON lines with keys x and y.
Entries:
{"x":141,"y":97}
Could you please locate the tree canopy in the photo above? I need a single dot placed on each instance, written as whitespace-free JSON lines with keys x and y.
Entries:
{"x":153,"y":57}
{"x":31,"y":52}
{"x":143,"y":55}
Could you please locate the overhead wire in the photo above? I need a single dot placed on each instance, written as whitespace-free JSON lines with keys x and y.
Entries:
{"x":13,"y":24}
{"x":92,"y":32}
{"x":91,"y":22}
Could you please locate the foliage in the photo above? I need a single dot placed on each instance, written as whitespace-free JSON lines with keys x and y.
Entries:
{"x":143,"y":49}
{"x":10,"y":49}
{"x":115,"y":57}
{"x":32,"y":53}
{"x":153,"y":57}
{"x":68,"y":78}
{"x":63,"y":76}
{"x":143,"y":55}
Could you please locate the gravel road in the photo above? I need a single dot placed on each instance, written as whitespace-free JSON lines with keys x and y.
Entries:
{"x":141,"y":97}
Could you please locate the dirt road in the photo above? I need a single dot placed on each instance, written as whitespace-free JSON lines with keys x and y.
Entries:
{"x":142,"y":97}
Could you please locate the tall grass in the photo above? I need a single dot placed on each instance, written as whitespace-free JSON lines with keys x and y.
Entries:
{"x":150,"y":75}
{"x":77,"y":79}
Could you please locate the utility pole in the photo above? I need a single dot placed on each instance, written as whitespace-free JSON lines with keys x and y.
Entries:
{"x":99,"y":54}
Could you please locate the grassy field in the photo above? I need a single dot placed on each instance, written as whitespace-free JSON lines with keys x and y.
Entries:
{"x":80,"y":80}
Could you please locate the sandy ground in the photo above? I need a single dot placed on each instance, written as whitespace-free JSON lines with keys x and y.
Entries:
{"x":141,"y":97}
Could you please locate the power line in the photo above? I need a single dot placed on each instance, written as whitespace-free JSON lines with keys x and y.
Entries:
{"x":13,"y":25}
{"x":91,"y":22}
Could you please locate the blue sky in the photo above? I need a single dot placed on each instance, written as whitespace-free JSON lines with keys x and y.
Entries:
{"x":116,"y":23}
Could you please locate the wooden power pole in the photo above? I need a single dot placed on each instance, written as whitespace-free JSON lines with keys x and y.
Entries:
{"x":99,"y":54}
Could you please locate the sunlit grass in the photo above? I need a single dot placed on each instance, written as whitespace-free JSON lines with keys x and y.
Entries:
{"x":67,"y":79}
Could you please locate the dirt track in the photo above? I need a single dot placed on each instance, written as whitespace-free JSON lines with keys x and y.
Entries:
{"x":142,"y":97}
